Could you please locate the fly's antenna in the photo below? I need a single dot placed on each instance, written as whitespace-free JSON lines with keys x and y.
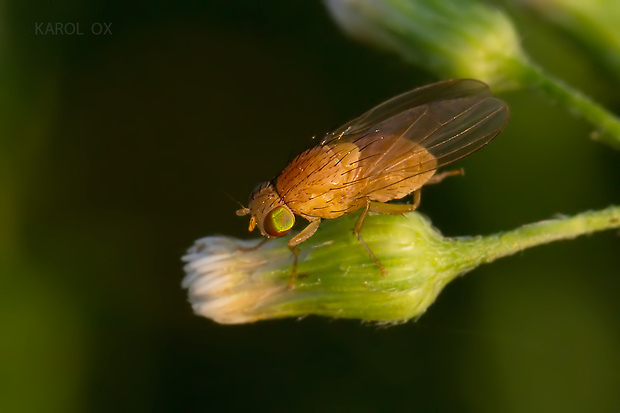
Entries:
{"x":240,"y":212}
{"x":233,"y":199}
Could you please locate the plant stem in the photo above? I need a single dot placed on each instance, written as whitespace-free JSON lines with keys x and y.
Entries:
{"x":544,"y":232}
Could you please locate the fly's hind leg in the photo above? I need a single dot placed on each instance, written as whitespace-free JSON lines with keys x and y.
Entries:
{"x":435,"y":179}
{"x":295,"y":241}
{"x":394,"y":209}
{"x":383,"y":209}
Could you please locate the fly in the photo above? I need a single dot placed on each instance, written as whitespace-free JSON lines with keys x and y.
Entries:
{"x":387,"y":153}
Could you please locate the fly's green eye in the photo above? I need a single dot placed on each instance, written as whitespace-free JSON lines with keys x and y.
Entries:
{"x":279,"y":221}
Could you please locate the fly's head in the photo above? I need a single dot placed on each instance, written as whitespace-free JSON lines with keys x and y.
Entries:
{"x":268,"y":212}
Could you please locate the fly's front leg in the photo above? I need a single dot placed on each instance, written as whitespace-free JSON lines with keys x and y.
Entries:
{"x":295,"y":241}
{"x":435,"y":179}
{"x":257,"y":246}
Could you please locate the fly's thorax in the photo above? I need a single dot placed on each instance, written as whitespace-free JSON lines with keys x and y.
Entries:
{"x":269,"y":212}
{"x":322,"y":182}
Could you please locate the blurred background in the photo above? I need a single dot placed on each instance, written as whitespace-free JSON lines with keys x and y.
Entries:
{"x":118,"y":150}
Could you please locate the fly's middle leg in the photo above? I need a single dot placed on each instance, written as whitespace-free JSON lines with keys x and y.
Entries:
{"x":383,"y":208}
{"x":357,"y":232}
{"x":295,"y":241}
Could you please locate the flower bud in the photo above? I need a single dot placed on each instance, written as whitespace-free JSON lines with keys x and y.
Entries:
{"x":450,"y":38}
{"x":230,"y":283}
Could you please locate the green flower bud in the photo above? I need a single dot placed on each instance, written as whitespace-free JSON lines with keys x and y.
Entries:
{"x":451,"y":38}
{"x":231,"y":284}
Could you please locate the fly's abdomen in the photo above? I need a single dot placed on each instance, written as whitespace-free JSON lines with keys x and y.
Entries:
{"x":394,"y":178}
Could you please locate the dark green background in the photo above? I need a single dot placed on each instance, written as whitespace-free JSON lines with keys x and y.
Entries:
{"x":118,"y":151}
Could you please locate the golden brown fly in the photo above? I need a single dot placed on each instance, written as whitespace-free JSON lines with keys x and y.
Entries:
{"x":387,"y":153}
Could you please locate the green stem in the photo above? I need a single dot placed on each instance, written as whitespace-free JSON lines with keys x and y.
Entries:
{"x":607,"y":123}
{"x":544,"y":232}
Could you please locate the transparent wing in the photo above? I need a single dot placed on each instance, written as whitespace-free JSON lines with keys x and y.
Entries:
{"x":449,"y":120}
{"x":440,"y":91}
